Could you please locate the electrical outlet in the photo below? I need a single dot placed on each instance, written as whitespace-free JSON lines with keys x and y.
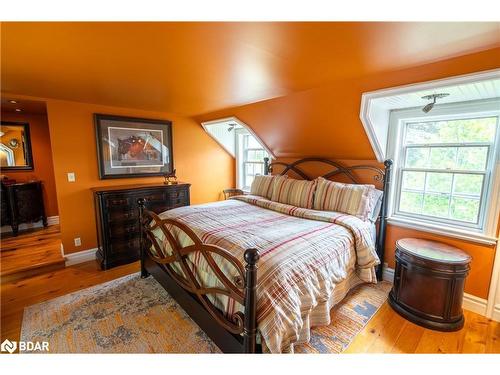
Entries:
{"x":78,"y":241}
{"x":71,"y":177}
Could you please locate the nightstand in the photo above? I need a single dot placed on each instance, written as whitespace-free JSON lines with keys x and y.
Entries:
{"x":429,"y":283}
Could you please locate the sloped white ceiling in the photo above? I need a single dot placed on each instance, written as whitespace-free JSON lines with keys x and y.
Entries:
{"x":377,"y":105}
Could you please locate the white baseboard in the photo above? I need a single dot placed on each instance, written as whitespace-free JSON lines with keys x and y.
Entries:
{"x":388,"y":273}
{"x":496,"y":313}
{"x":474,"y":304}
{"x":470,"y":302}
{"x":51,"y":220}
{"x":80,"y":257}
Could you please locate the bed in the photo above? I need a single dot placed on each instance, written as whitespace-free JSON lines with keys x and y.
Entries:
{"x":256,"y":274}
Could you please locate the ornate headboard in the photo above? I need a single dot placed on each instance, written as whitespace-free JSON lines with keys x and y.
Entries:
{"x":335,"y":168}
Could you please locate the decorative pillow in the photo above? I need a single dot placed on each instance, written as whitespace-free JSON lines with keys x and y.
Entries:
{"x":297,"y":193}
{"x":376,"y":202}
{"x":263,"y":186}
{"x":352,"y":199}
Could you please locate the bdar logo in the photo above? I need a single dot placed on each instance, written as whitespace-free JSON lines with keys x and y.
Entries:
{"x":8,"y":346}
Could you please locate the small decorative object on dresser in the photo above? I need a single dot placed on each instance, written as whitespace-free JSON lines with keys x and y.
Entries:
{"x":429,"y":283}
{"x":170,"y":178}
{"x":22,"y":203}
{"x":117,"y":217}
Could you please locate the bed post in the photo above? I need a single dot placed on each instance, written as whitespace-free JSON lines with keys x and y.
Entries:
{"x":142,"y":202}
{"x":250,"y":319}
{"x":266,"y":166}
{"x":383,"y":217}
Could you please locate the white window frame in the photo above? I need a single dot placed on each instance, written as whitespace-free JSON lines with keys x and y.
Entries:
{"x":485,"y":231}
{"x":241,"y":158}
{"x":235,"y":153}
{"x":9,"y":155}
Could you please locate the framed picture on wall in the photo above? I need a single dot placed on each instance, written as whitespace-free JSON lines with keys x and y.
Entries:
{"x":133,"y":147}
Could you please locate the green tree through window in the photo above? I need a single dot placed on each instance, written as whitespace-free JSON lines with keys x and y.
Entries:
{"x":445,"y":167}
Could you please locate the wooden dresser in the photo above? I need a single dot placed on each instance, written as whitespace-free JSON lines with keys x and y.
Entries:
{"x":429,"y":283}
{"x":117,"y":217}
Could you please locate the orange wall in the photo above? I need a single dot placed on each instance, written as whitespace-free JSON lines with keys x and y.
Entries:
{"x":197,"y":158}
{"x":325,"y":122}
{"x":482,"y":256}
{"x":42,"y":158}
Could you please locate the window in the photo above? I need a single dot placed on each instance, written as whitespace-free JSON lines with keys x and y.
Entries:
{"x":249,"y":159}
{"x":241,"y":143}
{"x":445,"y":165}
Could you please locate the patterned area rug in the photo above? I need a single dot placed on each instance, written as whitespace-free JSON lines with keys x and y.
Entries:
{"x":134,"y":315}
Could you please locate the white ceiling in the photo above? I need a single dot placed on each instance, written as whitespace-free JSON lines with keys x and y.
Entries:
{"x":376,"y":106}
{"x":486,"y":89}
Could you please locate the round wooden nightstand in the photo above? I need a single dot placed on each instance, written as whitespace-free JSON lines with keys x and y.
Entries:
{"x":429,"y":283}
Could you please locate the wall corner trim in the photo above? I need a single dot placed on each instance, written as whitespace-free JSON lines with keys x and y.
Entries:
{"x":80,"y":257}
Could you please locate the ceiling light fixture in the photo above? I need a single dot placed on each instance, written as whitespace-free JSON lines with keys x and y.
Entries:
{"x":432,"y":97}
{"x":13,"y":101}
{"x":18,"y":110}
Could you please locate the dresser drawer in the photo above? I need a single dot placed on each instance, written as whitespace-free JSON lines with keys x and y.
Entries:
{"x":160,"y":196}
{"x":113,"y":202}
{"x":121,"y":216}
{"x":124,"y":230}
{"x":117,"y":216}
{"x":177,"y":198}
{"x":130,"y":246}
{"x":178,"y":193}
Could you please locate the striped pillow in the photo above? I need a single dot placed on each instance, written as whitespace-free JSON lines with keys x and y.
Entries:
{"x":352,"y":199}
{"x":297,"y":193}
{"x":262,"y":186}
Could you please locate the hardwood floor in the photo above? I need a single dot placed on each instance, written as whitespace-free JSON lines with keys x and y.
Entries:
{"x":17,"y":294}
{"x":386,"y":332}
{"x":32,"y":252}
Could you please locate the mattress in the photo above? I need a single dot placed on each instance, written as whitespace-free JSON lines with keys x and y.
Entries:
{"x":308,"y":260}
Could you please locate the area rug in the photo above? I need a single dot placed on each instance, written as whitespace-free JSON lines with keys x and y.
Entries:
{"x":134,"y":315}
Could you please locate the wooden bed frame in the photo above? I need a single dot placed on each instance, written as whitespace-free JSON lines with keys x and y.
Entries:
{"x":236,"y":333}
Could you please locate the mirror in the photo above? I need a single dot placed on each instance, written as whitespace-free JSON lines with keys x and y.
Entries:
{"x":15,"y":146}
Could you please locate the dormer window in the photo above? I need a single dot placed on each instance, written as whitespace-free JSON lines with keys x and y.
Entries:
{"x":242,"y":144}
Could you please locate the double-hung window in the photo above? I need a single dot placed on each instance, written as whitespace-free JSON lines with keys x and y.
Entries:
{"x":249,"y":158}
{"x":242,"y":144}
{"x":445,"y":168}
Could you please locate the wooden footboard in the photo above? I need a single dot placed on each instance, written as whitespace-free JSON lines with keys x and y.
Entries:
{"x":231,"y":333}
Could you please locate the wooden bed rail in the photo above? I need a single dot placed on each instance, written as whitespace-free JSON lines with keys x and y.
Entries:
{"x":240,"y":287}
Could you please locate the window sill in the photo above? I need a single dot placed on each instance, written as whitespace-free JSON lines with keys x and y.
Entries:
{"x":470,"y":236}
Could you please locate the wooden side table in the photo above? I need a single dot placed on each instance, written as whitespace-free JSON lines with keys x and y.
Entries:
{"x":429,"y":283}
